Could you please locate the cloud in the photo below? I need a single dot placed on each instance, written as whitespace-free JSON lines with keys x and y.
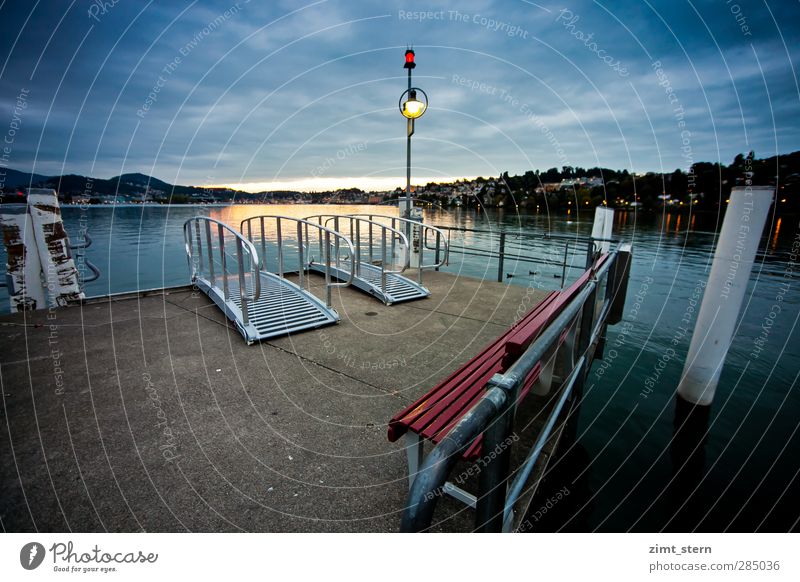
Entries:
{"x":254,"y":92}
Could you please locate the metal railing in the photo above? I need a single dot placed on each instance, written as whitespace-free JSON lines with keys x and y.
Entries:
{"x":387,"y":243}
{"x":302,"y":237}
{"x":441,"y":247}
{"x":213,"y":255}
{"x":582,"y":324}
{"x":80,"y":256}
{"x":517,"y":246}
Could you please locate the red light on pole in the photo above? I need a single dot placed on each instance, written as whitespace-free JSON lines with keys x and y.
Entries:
{"x":410,"y":64}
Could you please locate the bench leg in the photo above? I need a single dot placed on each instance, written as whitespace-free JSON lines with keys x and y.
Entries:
{"x":414,"y":450}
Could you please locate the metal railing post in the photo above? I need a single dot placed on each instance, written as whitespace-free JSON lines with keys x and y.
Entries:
{"x":279,"y":240}
{"x":242,"y":286}
{"x":501,"y":257}
{"x":300,"y":258}
{"x":493,"y":479}
{"x":328,"y":265}
{"x":223,"y":261}
{"x":438,"y":248}
{"x":383,"y":261}
{"x":199,"y":247}
{"x":564,"y":265}
{"x":211,"y":276}
{"x":263,"y":241}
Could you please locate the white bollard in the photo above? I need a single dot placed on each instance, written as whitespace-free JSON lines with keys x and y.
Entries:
{"x":602,"y":227}
{"x":727,"y":282}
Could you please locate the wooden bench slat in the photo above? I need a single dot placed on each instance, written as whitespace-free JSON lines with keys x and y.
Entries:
{"x":400,"y":423}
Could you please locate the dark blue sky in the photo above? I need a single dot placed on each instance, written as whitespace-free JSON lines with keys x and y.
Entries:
{"x":305,"y":94}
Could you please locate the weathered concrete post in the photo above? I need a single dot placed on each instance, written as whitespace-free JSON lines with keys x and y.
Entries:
{"x":23,"y":268}
{"x":60,"y":274}
{"x":727,"y":283}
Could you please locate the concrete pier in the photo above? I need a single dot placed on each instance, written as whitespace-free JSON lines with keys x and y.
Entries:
{"x":149,"y":411}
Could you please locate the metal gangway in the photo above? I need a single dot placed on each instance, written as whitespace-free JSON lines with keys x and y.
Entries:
{"x":261,"y":303}
{"x":382,"y":254}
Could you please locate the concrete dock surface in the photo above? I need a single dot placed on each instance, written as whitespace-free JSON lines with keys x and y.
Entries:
{"x":149,"y":412}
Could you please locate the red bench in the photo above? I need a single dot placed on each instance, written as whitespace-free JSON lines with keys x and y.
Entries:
{"x":433,"y":415}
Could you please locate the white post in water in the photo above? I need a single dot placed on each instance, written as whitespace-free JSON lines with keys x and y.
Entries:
{"x":602,"y":227}
{"x":733,"y":260}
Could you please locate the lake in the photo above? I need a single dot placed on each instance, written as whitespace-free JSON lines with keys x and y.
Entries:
{"x":619,"y":472}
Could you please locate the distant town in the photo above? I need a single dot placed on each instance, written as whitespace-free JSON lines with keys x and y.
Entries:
{"x":703,"y":185}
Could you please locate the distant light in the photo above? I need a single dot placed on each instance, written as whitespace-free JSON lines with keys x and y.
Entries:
{"x":728,"y":200}
{"x":783,"y":199}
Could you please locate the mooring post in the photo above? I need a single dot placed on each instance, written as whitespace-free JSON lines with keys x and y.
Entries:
{"x":719,"y":311}
{"x":727,"y":282}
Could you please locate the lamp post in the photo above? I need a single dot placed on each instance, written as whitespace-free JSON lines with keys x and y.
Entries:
{"x":412,"y":108}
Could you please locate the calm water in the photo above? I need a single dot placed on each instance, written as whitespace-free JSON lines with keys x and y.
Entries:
{"x":619,"y":470}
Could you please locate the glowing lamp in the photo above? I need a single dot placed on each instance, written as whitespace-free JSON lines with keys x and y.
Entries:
{"x":413,"y":107}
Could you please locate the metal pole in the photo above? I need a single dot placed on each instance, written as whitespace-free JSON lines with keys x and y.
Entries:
{"x":501,"y":258}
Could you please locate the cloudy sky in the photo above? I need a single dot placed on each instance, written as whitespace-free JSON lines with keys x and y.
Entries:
{"x":304,"y":95}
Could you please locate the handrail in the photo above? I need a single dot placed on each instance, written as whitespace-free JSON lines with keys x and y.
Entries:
{"x":493,"y":416}
{"x":242,"y":245}
{"x":87,"y":242}
{"x":304,"y":255}
{"x":440,"y":238}
{"x":572,"y":243}
{"x":355,"y":223}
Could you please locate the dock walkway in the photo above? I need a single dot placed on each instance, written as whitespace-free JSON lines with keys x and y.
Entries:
{"x":150,"y":412}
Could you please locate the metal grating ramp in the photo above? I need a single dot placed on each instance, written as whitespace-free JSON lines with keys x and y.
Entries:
{"x":368,"y":278}
{"x":282,"y":308}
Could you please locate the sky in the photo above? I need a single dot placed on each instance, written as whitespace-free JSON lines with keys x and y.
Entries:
{"x":295,"y":95}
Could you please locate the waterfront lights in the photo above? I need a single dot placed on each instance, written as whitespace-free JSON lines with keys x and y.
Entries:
{"x":412,"y":108}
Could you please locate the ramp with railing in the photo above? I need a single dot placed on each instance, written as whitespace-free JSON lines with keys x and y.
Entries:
{"x":382,"y":254}
{"x":262,"y":304}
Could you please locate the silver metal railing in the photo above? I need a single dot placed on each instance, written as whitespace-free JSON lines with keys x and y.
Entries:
{"x":304,"y":238}
{"x":522,"y":247}
{"x":80,"y":258}
{"x":578,"y":329}
{"x":210,"y":260}
{"x":441,"y":247}
{"x":376,"y":243}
